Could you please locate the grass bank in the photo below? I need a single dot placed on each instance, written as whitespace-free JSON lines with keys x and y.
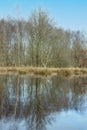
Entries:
{"x":44,"y":71}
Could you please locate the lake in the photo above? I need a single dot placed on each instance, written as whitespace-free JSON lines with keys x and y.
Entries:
{"x":36,"y":103}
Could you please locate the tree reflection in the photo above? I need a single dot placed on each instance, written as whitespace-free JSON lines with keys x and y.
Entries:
{"x":34,"y":99}
{"x":79,"y":92}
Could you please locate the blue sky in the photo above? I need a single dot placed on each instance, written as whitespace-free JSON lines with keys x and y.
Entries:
{"x":69,"y":14}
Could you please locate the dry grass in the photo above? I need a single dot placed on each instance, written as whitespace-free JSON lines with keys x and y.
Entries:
{"x":44,"y":71}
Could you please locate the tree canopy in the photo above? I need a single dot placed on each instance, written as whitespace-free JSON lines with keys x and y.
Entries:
{"x":38,"y":42}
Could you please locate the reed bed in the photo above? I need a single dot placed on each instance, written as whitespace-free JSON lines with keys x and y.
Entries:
{"x":44,"y":71}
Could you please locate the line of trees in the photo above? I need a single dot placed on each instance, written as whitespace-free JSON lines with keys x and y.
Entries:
{"x":38,"y":42}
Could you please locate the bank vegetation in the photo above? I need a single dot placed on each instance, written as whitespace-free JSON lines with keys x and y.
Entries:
{"x":40,"y":43}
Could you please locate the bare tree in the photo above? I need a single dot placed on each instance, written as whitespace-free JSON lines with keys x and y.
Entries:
{"x":39,"y":30}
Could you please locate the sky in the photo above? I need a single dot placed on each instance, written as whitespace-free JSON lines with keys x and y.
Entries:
{"x":68,"y":14}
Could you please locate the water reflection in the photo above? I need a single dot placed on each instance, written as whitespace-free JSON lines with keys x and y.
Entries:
{"x":28,"y":103}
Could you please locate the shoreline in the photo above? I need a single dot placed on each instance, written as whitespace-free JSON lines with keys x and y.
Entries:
{"x":43,"y":71}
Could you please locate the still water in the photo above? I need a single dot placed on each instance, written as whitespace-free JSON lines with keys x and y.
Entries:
{"x":55,"y":103}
